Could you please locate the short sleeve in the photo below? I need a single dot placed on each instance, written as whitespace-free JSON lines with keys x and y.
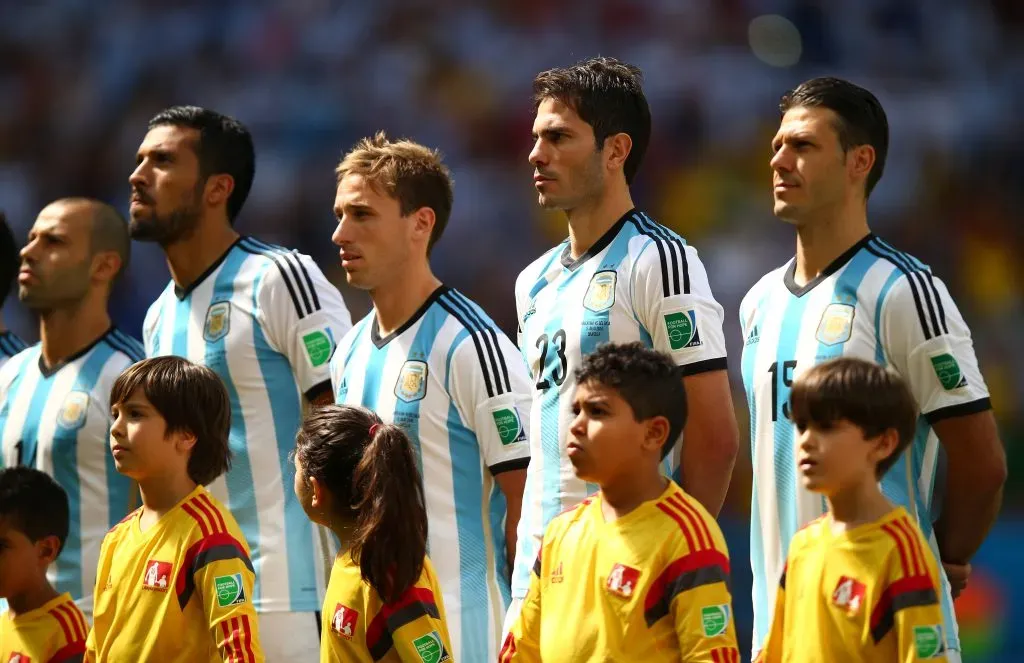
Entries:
{"x":522,"y":644}
{"x":673,"y":302}
{"x":415,"y":627}
{"x":490,"y":388}
{"x":223,"y":576}
{"x":926,"y":340}
{"x":303,"y":315}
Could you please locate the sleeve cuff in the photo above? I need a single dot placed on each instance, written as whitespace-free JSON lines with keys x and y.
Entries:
{"x":318,"y":390}
{"x":958,"y":410}
{"x":509,"y":465}
{"x":705,"y":366}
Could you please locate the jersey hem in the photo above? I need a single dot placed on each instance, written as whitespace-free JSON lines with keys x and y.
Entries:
{"x":958,"y":410}
{"x":510,"y":465}
{"x":705,"y":366}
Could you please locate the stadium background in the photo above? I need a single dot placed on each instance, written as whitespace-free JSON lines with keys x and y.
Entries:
{"x":80,"y":78}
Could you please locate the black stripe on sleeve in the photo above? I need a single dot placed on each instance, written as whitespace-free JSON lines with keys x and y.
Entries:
{"x":958,"y":410}
{"x":475,"y":328}
{"x":137,"y":350}
{"x":680,"y":244}
{"x":308,"y":279}
{"x":119,"y":346}
{"x":254,"y":250}
{"x":927,"y":275}
{"x":6,"y":346}
{"x":655,"y":233}
{"x":509,"y":466}
{"x":476,"y":342}
{"x":661,"y":255}
{"x":904,"y":600}
{"x":489,"y":329}
{"x":913,"y":287}
{"x":705,"y":366}
{"x":913,"y":272}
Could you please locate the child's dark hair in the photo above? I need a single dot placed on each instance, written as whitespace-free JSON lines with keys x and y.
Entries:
{"x":646,"y":379}
{"x":867,"y":395}
{"x":190,"y":398}
{"x":34,"y":504}
{"x":376,"y":478}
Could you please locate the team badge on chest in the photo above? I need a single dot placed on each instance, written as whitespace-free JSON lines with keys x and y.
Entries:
{"x":412,"y":381}
{"x":849,"y":595}
{"x":158,"y":575}
{"x":601,"y":292}
{"x":73,"y":410}
{"x":218,"y":322}
{"x":622,"y":580}
{"x":836,"y":324}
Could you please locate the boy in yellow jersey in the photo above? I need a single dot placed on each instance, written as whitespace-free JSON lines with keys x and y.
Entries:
{"x":359,"y":477}
{"x":174,"y":582}
{"x":40,"y":625}
{"x":638,"y":571}
{"x":860,"y":583}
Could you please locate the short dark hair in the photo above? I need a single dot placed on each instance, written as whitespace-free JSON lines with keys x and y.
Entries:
{"x":190,"y":398}
{"x":862,"y":119}
{"x":869,"y":396}
{"x":225,"y":146}
{"x":10,"y":259}
{"x":109,"y":229}
{"x":646,"y":379}
{"x":412,"y":174}
{"x":608,"y":95}
{"x":34,"y":504}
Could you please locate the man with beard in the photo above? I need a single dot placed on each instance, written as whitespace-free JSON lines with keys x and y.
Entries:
{"x":54,"y":396}
{"x":266,"y":320}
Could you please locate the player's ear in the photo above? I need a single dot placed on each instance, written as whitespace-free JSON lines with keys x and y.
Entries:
{"x":106,"y":265}
{"x":48,"y":548}
{"x":885,"y":444}
{"x":423,"y":221}
{"x":318,"y":496}
{"x":656,"y":434}
{"x":218,"y":189}
{"x":186,"y":440}
{"x":860,"y":160}
{"x":617,"y":149}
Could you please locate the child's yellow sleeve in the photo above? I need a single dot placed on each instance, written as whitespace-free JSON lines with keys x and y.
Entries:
{"x":911,"y":604}
{"x":771,"y":651}
{"x":414,"y":625}
{"x":523,"y":642}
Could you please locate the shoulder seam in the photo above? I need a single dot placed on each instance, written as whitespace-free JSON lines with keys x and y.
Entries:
{"x":288,"y":265}
{"x":669,"y":248}
{"x":922,"y":287}
{"x":496,"y":378}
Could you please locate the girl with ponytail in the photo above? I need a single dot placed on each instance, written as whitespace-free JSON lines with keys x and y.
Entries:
{"x":358,"y":477}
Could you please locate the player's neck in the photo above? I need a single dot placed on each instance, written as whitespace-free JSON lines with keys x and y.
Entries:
{"x":162,"y":493}
{"x":819,"y":243}
{"x":32,"y":600}
{"x":189,"y":258}
{"x":589,"y":222}
{"x":626,"y":493}
{"x":64,"y":332}
{"x":860,"y":504}
{"x":395,"y":302}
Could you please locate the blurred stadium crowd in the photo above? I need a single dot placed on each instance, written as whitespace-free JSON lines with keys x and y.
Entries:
{"x":80,"y":78}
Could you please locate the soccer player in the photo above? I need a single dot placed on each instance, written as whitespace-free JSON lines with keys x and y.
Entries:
{"x":54,"y":396}
{"x":175,"y":581}
{"x":358,"y":476}
{"x":848,"y":292}
{"x":638,"y":571}
{"x":864,"y":568}
{"x":619,"y":276}
{"x":266,"y":321}
{"x":429,"y":360}
{"x":10,"y":344}
{"x":40,"y":624}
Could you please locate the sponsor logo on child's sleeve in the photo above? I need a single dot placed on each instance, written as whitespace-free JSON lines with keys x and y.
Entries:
{"x":431,"y":649}
{"x":714,"y":619}
{"x":929,"y":642}
{"x":229,"y":590}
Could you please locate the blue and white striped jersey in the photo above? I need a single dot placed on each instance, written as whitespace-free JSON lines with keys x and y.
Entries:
{"x":10,"y":345}
{"x":874,"y":303}
{"x":456,"y":384}
{"x":639,"y":282}
{"x":58,"y":421}
{"x":266,"y":320}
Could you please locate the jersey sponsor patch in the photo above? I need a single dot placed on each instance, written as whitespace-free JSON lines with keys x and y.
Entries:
{"x":622,"y":580}
{"x":601,"y":292}
{"x":947,"y":369}
{"x":682,"y":330}
{"x":343,"y":621}
{"x":929,"y":641}
{"x":431,"y":648}
{"x":218,"y":322}
{"x":17,"y":657}
{"x":73,"y":410}
{"x":229,"y":590}
{"x":158,"y":575}
{"x":509,"y":425}
{"x":714,"y":620}
{"x":318,"y":347}
{"x":836,"y":324}
{"x":412,"y":381}
{"x":849,"y":595}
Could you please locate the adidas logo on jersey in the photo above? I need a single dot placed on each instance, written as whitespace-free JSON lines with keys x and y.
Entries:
{"x":753,"y":337}
{"x":556,"y":575}
{"x":158,"y":575}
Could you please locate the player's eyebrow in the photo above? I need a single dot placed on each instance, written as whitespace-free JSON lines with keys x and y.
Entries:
{"x":351,"y":208}
{"x":548,"y":132}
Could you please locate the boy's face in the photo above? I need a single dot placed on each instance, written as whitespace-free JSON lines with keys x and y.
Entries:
{"x":606,"y":440}
{"x":140,"y":443}
{"x":22,"y":562}
{"x":838,"y":457}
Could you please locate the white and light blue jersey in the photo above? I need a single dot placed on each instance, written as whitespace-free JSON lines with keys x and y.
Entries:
{"x":58,"y":421}
{"x":458,"y":387}
{"x":639,"y":282}
{"x":10,"y":345}
{"x":266,"y":320}
{"x":874,"y":303}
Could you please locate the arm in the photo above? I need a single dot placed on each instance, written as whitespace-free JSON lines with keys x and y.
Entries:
{"x":225,"y":587}
{"x":512,"y":484}
{"x":771,"y":651}
{"x":695,"y":589}
{"x":416,"y":626}
{"x":523,"y":642}
{"x":711,"y":439}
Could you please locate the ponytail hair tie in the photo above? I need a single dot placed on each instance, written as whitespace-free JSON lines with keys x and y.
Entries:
{"x":373,"y":430}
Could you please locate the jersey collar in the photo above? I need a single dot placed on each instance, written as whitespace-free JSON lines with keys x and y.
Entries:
{"x":48,"y":372}
{"x":598,"y":246}
{"x":182,"y":293}
{"x":375,"y":329}
{"x":833,"y":267}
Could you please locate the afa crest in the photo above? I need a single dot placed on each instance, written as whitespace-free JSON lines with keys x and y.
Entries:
{"x":73,"y":410}
{"x":412,"y":381}
{"x":836,"y":324}
{"x":601,"y":292}
{"x":218,"y":322}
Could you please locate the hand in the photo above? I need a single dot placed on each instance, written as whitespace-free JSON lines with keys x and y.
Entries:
{"x":957,"y":575}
